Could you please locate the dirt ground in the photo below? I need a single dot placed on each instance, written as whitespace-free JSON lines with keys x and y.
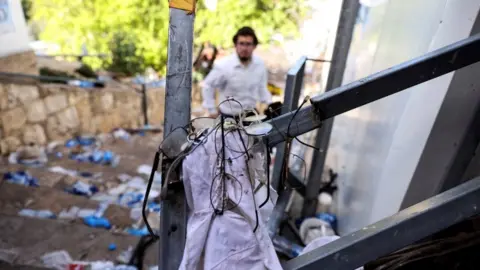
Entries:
{"x":26,"y":239}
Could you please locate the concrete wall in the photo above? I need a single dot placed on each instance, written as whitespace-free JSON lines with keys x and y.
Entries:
{"x":14,"y":39}
{"x":376,"y":148}
{"x":48,"y":112}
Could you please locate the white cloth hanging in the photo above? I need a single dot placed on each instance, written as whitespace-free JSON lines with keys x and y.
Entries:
{"x":226,"y":241}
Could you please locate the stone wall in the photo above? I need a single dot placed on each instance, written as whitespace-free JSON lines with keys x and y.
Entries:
{"x":47,"y":112}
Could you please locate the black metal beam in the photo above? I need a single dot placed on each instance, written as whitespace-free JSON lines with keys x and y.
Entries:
{"x":377,"y":86}
{"x":293,"y":88}
{"x":395,"y":232}
{"x":346,"y":24}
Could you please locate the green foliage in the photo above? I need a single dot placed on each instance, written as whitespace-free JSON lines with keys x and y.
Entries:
{"x":135,"y":32}
{"x":267,"y":17}
{"x":27,"y":7}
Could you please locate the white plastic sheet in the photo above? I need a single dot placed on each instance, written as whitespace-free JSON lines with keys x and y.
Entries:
{"x":225,"y":241}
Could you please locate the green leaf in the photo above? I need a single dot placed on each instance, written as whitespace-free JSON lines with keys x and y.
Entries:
{"x":135,"y":32}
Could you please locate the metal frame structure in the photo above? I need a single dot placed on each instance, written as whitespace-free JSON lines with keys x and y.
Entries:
{"x":377,"y":86}
{"x":294,"y":84}
{"x":446,"y":209}
{"x":348,"y":16}
{"x":293,"y":88}
{"x":177,"y":114}
{"x":356,"y":94}
{"x":395,"y":232}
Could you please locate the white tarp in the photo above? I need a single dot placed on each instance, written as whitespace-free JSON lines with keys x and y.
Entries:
{"x":226,"y":241}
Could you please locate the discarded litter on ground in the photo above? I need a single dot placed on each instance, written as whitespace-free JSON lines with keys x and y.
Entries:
{"x":37,"y":213}
{"x":21,"y":178}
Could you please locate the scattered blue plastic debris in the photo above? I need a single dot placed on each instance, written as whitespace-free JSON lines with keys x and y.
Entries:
{"x":97,"y":157}
{"x":97,"y":222}
{"x":330,"y":218}
{"x":153,"y":207}
{"x":71,"y":143}
{"x":130,"y":199}
{"x":80,"y":140}
{"x":37,"y":213}
{"x":285,"y":246}
{"x":138,"y":232}
{"x":21,"y":178}
{"x":81,"y":188}
{"x":112,"y":247}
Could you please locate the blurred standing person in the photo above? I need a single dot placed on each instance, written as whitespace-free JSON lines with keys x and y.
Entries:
{"x":202,"y":65}
{"x":241,"y":75}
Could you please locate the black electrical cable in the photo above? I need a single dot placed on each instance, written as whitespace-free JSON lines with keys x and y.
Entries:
{"x":269,"y":160}
{"x":256,"y":221}
{"x":248,"y":172}
{"x":156,"y":161}
{"x":138,"y":254}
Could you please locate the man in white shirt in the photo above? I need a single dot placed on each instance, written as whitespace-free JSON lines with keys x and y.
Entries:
{"x":242,"y":76}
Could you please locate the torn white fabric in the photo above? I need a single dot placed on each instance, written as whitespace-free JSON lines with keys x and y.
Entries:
{"x":226,"y":241}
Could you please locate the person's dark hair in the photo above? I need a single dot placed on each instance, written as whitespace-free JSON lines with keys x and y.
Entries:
{"x":246,"y":31}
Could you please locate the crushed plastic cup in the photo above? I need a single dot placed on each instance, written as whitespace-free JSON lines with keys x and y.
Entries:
{"x":124,"y":177}
{"x":154,"y":207}
{"x":101,"y":209}
{"x":286,"y":247}
{"x":137,"y":183}
{"x":81,"y":188}
{"x":83,"y":213}
{"x":97,"y":222}
{"x":130,"y":199}
{"x":86,"y":140}
{"x":57,"y":259}
{"x":71,"y":143}
{"x":27,"y":213}
{"x":97,"y":157}
{"x":72,"y":213}
{"x":330,"y":218}
{"x":138,"y":232}
{"x":102,"y":265}
{"x":21,"y":178}
{"x":58,"y":169}
{"x":47,"y":214}
{"x":121,"y":134}
{"x":102,"y":197}
{"x":136,"y":213}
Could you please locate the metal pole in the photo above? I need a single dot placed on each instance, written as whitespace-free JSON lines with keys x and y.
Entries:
{"x":292,"y":93}
{"x":177,"y":114}
{"x":293,"y":87}
{"x":346,"y":23}
{"x":144,"y":104}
